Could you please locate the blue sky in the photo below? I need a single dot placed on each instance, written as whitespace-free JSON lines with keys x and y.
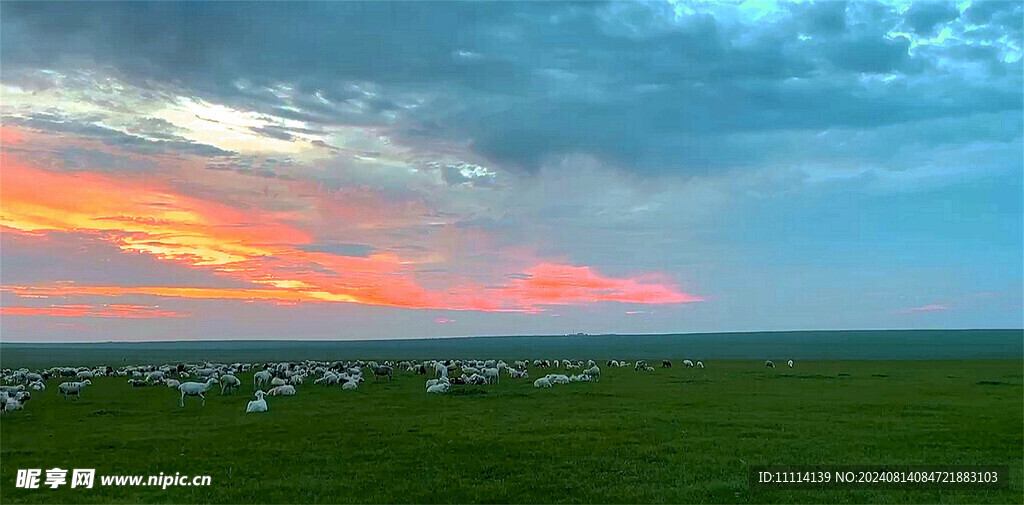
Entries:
{"x":373,"y":170}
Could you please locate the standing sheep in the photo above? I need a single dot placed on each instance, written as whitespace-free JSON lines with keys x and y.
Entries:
{"x":73,"y":388}
{"x":195,"y":389}
{"x":229,"y":383}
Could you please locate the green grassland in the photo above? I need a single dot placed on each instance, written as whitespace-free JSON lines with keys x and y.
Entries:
{"x":675,"y":435}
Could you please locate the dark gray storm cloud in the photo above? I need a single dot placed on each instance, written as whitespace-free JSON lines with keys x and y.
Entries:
{"x":647,"y":87}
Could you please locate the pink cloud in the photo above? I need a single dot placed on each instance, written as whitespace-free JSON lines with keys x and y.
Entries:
{"x":116,"y":310}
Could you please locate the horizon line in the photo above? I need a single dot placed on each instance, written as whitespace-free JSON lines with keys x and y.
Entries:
{"x":456,"y":337}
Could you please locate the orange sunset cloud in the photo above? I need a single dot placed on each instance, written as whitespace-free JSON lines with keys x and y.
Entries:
{"x":146,"y":217}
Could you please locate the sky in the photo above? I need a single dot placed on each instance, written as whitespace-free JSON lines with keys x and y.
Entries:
{"x":346,"y":170}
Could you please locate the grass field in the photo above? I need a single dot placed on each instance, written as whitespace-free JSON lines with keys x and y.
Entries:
{"x":675,"y":435}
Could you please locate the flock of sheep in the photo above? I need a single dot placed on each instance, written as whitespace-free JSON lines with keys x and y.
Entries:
{"x":282,"y":379}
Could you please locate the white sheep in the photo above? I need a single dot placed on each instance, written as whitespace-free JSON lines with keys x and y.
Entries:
{"x":73,"y":388}
{"x":350,"y":385}
{"x":700,"y":364}
{"x":257,"y":405}
{"x":594,"y":372}
{"x":195,"y":389}
{"x":38,"y":385}
{"x":277,"y":381}
{"x":542,"y":382}
{"x":491,"y":374}
{"x":260,"y":378}
{"x":558,"y":378}
{"x":687,"y":363}
{"x":441,"y":387}
{"x":286,"y":390}
{"x":11,"y":405}
{"x":229,"y":383}
{"x":769,"y":364}
{"x":172,"y":383}
{"x":328,"y":378}
{"x":790,"y":363}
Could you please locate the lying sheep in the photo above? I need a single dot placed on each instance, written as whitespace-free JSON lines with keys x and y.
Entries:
{"x":286,"y":390}
{"x":441,"y":387}
{"x":257,"y":405}
{"x":542,"y":382}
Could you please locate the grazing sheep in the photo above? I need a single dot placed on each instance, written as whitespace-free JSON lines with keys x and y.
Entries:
{"x":594,"y":372}
{"x":229,"y":383}
{"x":73,"y":388}
{"x":286,"y":390}
{"x":38,"y":385}
{"x":195,"y":389}
{"x":257,"y":405}
{"x":769,"y":364}
{"x":648,"y":368}
{"x":666,"y":363}
{"x":260,"y":378}
{"x":700,"y":364}
{"x":384,"y":371}
{"x":542,"y":382}
{"x":790,"y":363}
{"x":687,"y":363}
{"x":137,"y":383}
